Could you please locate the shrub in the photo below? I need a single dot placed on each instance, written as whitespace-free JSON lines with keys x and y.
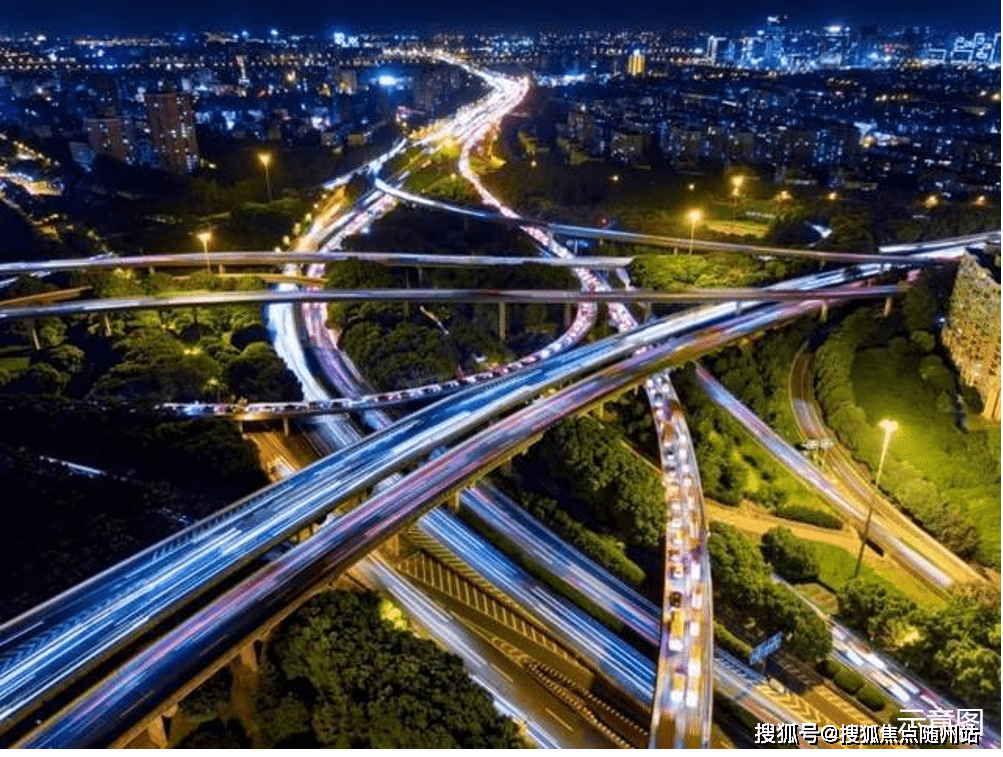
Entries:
{"x":871,"y":698}
{"x":829,"y":668}
{"x":810,"y":515}
{"x":790,"y":556}
{"x":730,"y":642}
{"x":848,"y":680}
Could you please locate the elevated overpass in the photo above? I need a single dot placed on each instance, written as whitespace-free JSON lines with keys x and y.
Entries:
{"x":149,"y":586}
{"x":525,"y":296}
{"x":390,"y":259}
{"x":894,"y":256}
{"x":211,"y":632}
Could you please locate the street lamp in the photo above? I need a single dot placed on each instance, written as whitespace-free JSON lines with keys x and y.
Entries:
{"x":266,"y":159}
{"x":889,"y":427}
{"x":694,"y":216}
{"x":204,"y":237}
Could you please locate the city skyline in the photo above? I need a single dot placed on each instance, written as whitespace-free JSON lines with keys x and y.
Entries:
{"x":447,"y":16}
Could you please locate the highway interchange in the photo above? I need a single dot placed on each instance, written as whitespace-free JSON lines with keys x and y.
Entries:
{"x":88,"y":623}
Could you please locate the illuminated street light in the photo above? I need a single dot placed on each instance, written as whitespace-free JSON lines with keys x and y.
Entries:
{"x":889,"y":427}
{"x":932,"y":201}
{"x":832,"y":196}
{"x":694,"y":216}
{"x":614,"y":178}
{"x":266,"y":159}
{"x":204,"y":237}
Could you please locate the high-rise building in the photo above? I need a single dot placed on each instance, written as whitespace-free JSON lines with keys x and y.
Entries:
{"x":172,"y":131}
{"x":972,"y":331}
{"x":835,"y":46}
{"x":635,"y":63}
{"x":773,"y":52}
{"x":110,"y":135}
{"x":713,"y":48}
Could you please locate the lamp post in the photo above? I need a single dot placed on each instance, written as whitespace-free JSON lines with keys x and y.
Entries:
{"x":889,"y":427}
{"x":204,"y":237}
{"x":694,"y":216}
{"x":266,"y":159}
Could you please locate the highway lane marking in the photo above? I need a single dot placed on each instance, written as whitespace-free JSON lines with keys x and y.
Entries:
{"x":555,"y":717}
{"x":502,"y":673}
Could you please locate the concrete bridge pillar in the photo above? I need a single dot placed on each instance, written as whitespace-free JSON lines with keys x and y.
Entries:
{"x":285,"y":426}
{"x":647,"y":312}
{"x":222,"y":269}
{"x":248,"y":657}
{"x":888,"y":307}
{"x":106,"y":322}
{"x":502,"y":322}
{"x":454,"y":502}
{"x":567,"y":315}
{"x":33,"y":332}
{"x":159,"y":729}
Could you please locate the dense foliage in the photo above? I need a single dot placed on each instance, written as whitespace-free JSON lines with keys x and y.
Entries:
{"x":62,"y":527}
{"x":343,"y":677}
{"x":742,"y":584}
{"x":180,"y":354}
{"x":397,"y":345}
{"x":790,"y":556}
{"x":595,"y":476}
{"x":733,"y":467}
{"x":954,"y":646}
{"x":946,"y":477}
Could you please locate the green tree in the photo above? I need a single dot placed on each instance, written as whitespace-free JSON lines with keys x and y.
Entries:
{"x":790,"y":556}
{"x":877,"y":610}
{"x":258,"y":373}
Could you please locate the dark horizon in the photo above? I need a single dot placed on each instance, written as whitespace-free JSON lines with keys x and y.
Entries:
{"x":68,"y":17}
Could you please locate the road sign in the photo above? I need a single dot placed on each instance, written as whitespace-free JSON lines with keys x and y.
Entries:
{"x":767,"y":648}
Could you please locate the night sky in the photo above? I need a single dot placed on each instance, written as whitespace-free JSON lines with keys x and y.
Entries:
{"x":103,"y":16}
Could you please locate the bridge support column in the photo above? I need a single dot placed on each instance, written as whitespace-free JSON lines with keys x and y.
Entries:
{"x":824,"y":312}
{"x":106,"y":322}
{"x":502,"y":322}
{"x":151,"y":270}
{"x":647,"y":312}
{"x":285,"y":426}
{"x":222,"y":269}
{"x":159,"y":728}
{"x":454,"y":502}
{"x":567,"y":315}
{"x":33,"y":332}
{"x":888,"y":307}
{"x":248,"y":657}
{"x":550,"y":240}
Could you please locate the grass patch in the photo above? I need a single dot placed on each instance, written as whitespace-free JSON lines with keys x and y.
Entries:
{"x":14,"y":358}
{"x":836,"y":567}
{"x":963,"y":465}
{"x":737,"y":228}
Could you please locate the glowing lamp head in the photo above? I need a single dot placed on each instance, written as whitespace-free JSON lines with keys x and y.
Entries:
{"x":694,"y":215}
{"x":204,"y":237}
{"x":265,"y":158}
{"x":888,"y":426}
